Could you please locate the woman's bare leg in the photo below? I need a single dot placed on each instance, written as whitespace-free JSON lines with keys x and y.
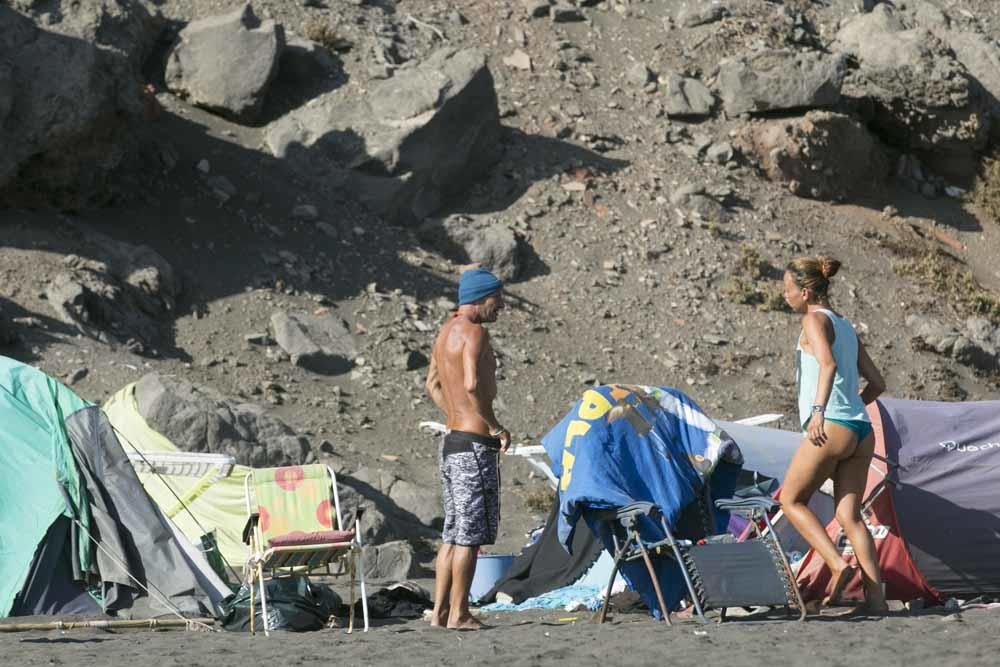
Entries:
{"x":849,"y":483}
{"x":810,"y":467}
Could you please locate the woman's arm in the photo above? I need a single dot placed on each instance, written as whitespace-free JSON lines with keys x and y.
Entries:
{"x":819,"y":334}
{"x":870,"y":372}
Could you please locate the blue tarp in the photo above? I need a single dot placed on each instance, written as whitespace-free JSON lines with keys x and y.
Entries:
{"x":622,"y":444}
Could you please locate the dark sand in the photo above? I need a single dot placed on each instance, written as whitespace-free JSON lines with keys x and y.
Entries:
{"x":929,"y":638}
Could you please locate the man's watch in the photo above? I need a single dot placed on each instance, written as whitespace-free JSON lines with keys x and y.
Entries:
{"x":818,"y":409}
{"x":495,"y":432}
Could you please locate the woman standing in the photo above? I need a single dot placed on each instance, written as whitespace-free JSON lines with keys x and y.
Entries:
{"x":839,"y":440}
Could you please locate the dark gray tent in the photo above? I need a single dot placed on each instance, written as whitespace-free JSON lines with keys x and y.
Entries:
{"x":936,"y":523}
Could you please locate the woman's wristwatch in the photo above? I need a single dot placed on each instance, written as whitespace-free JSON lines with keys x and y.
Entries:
{"x":818,"y":408}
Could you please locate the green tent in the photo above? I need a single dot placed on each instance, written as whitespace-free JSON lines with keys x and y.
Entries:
{"x":78,"y":534}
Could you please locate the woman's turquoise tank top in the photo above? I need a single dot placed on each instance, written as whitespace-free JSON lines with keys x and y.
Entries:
{"x":845,"y":401}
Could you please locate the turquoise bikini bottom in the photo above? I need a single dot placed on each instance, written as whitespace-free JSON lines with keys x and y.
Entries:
{"x":861,"y":427}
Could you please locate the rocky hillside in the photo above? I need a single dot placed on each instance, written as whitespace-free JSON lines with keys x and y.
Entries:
{"x":260,"y":211}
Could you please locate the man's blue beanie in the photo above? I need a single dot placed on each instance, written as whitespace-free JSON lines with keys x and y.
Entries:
{"x":476,"y":284}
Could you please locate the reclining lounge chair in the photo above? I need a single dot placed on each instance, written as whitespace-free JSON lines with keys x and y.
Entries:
{"x":718,"y":571}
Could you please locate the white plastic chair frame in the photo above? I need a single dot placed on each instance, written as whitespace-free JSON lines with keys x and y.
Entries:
{"x":260,"y":556}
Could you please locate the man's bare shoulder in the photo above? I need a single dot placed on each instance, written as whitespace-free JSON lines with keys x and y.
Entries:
{"x":469,"y":330}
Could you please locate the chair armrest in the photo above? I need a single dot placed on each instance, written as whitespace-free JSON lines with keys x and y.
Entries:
{"x":248,"y":527}
{"x":627,"y":514}
{"x":749,"y":505}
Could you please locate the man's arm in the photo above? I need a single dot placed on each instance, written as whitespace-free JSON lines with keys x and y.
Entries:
{"x":472,"y":366}
{"x":433,"y":385}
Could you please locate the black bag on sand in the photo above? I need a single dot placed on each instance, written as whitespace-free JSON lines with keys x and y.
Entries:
{"x":294,"y":604}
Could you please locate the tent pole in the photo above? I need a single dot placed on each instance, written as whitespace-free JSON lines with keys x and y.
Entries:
{"x":194,"y":624}
{"x":162,"y":598}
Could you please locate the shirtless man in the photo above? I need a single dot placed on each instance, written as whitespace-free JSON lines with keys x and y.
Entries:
{"x":462,"y":382}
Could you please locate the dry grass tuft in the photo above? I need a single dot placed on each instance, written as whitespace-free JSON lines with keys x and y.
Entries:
{"x":323,"y":32}
{"x":986,"y":194}
{"x":935,"y":269}
{"x":750,"y":285}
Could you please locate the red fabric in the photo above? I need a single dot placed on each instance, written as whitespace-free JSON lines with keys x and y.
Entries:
{"x":298,"y":538}
{"x":323,"y":514}
{"x":903,"y":581}
{"x":288,"y":478}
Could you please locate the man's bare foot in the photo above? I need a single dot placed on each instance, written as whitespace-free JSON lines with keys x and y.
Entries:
{"x":468,"y":622}
{"x":439,"y":619}
{"x":840,"y":581}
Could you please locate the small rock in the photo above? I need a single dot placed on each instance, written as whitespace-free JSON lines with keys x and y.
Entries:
{"x":221,"y":187}
{"x":327,"y":229}
{"x":75,"y":376}
{"x":562,"y":12}
{"x":536,"y":8}
{"x":712,"y":339}
{"x":305,"y":212}
{"x":638,"y":75}
{"x":319,"y":343}
{"x":700,"y":14}
{"x":411,"y":360}
{"x":518,"y":60}
{"x":721,"y":152}
{"x":687,"y":97}
{"x":258,"y":339}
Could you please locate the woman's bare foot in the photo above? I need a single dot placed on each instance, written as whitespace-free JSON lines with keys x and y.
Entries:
{"x":875,"y":602}
{"x":466,"y":622}
{"x":840,"y":581}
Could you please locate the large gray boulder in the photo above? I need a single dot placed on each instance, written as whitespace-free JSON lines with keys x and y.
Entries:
{"x":413,"y":143}
{"x":495,"y":248}
{"x":822,"y":155}
{"x":780,"y":79}
{"x":490,"y":244}
{"x":976,"y":343}
{"x":914,"y":93}
{"x":70,"y":96}
{"x":116,"y":291}
{"x":319,"y":343}
{"x":414,"y":500}
{"x":226,"y":63}
{"x":367,"y":492}
{"x":200,"y":419}
{"x":390,"y":562}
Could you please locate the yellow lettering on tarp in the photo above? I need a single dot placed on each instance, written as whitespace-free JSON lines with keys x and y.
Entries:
{"x":567,"y":473}
{"x":574,"y":429}
{"x":593,"y":405}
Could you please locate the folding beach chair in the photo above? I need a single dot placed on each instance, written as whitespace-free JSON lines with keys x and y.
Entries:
{"x":719,"y":571}
{"x":295,"y":527}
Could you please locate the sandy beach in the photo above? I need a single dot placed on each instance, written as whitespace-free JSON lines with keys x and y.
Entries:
{"x":531,"y":638}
